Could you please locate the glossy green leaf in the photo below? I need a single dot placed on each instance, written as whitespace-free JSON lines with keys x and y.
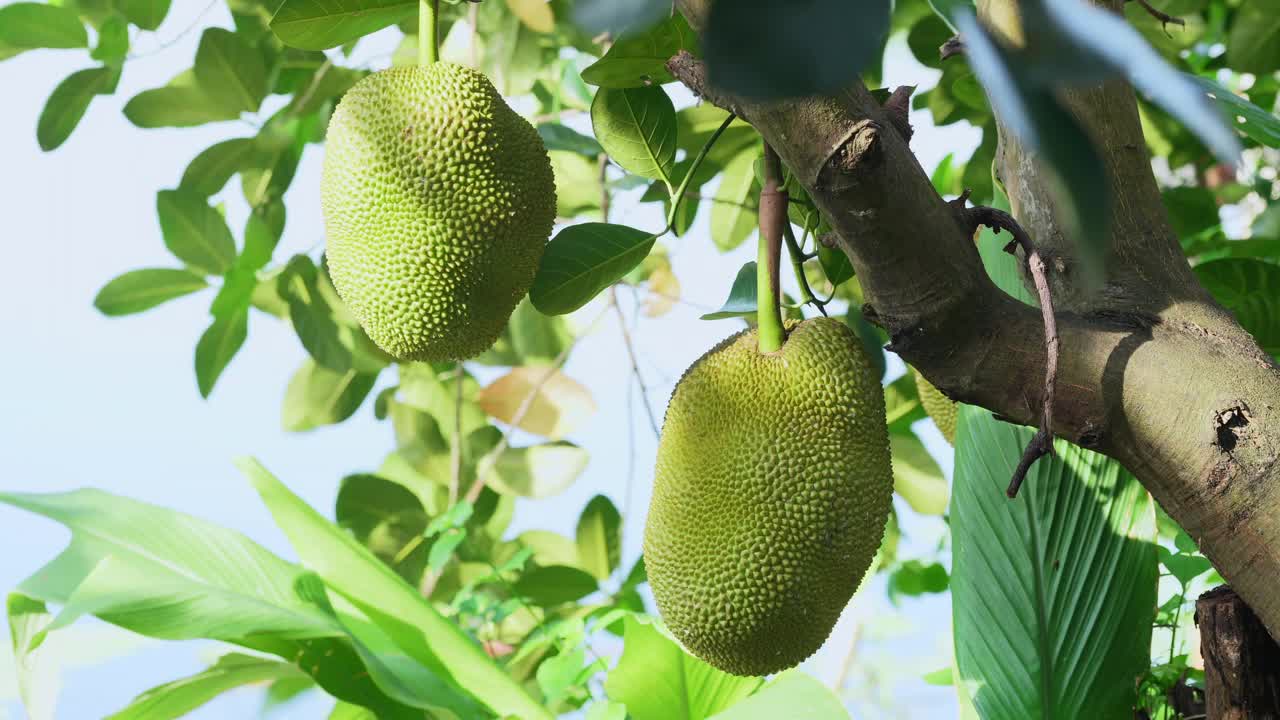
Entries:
{"x":146,"y":14}
{"x":657,"y":680}
{"x":29,"y":25}
{"x":1053,"y":593}
{"x":558,"y":137}
{"x":211,"y":169}
{"x":582,"y":260}
{"x":140,"y":290}
{"x":537,"y":471}
{"x":113,"y":41}
{"x":194,"y":232}
{"x":217,"y":346}
{"x":29,"y":620}
{"x":230,"y":70}
{"x":742,"y":296}
{"x":411,"y":622}
{"x":175,"y":699}
{"x":322,"y":24}
{"x":1259,"y":124}
{"x":578,"y":184}
{"x":180,"y":103}
{"x":733,"y":210}
{"x":312,"y":316}
{"x":555,"y":585}
{"x":318,"y":396}
{"x":600,"y":537}
{"x":68,"y":103}
{"x":637,"y":128}
{"x":640,"y":59}
{"x":537,"y":339}
{"x":793,"y":695}
{"x":916,"y":475}
{"x":1250,"y":289}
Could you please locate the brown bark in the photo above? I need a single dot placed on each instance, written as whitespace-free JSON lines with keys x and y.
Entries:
{"x":1152,"y":372}
{"x":1241,"y":662}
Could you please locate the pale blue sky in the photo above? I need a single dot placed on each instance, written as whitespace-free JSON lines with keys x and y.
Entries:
{"x":112,"y":403}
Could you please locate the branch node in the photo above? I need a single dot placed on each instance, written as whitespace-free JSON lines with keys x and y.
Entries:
{"x":952,"y":47}
{"x":898,"y":110}
{"x":692,"y":72}
{"x":1165,"y":18}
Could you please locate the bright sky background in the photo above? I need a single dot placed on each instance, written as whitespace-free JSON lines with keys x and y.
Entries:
{"x":112,"y":403}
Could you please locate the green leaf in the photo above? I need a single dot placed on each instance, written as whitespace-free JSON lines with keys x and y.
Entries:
{"x":442,"y":549}
{"x":230,"y":70}
{"x":916,"y":476}
{"x":599,"y":537}
{"x":637,"y":128}
{"x":582,"y":260}
{"x":29,"y":621}
{"x":1253,"y":44}
{"x":194,"y":232}
{"x":1053,"y":593}
{"x":318,"y":396}
{"x":140,"y":290}
{"x":312,"y":316}
{"x":555,"y":585}
{"x":558,"y":137}
{"x":320,"y":24}
{"x":68,"y":103}
{"x":549,"y":548}
{"x":794,"y":695}
{"x":217,"y":346}
{"x":1184,"y":567}
{"x":538,"y":471}
{"x":181,"y":103}
{"x":1250,"y":289}
{"x":1259,"y":124}
{"x":640,"y":59}
{"x":146,"y":14}
{"x":407,"y":618}
{"x":578,"y":186}
{"x":605,"y":710}
{"x":813,"y":48}
{"x":733,"y":211}
{"x":169,"y":575}
{"x":537,"y":339}
{"x":175,"y":699}
{"x":913,"y":578}
{"x":113,"y":41}
{"x":386,"y":517}
{"x":210,"y":170}
{"x":657,"y":680}
{"x":28,"y":25}
{"x":742,"y":296}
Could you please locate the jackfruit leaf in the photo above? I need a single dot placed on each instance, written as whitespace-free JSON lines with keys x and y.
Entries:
{"x":742,"y":296}
{"x":637,"y":128}
{"x":657,"y":680}
{"x":916,"y":476}
{"x":319,"y":24}
{"x":1259,"y":124}
{"x":113,"y":41}
{"x":175,"y":699}
{"x":902,"y":405}
{"x":537,"y":339}
{"x":814,"y":48}
{"x":535,"y":14}
{"x":600,"y":537}
{"x":29,"y":25}
{"x":550,"y":548}
{"x":318,"y":396}
{"x":578,"y":184}
{"x":146,"y":14}
{"x":194,"y":232}
{"x":209,"y":171}
{"x":1253,"y":45}
{"x":312,"y":317}
{"x":538,"y":471}
{"x":139,"y":290}
{"x":559,"y":137}
{"x":664,"y":291}
{"x":386,"y":517}
{"x":180,"y":103}
{"x":582,"y":260}
{"x":555,"y":585}
{"x":431,"y":389}
{"x":559,"y":404}
{"x":217,"y":346}
{"x":68,"y":103}
{"x":1250,"y":289}
{"x":230,"y":70}
{"x":640,"y":59}
{"x":914,"y":578}
{"x":38,"y":682}
{"x":733,"y":210}
{"x":408,"y":620}
{"x":794,"y":695}
{"x":1070,"y":563}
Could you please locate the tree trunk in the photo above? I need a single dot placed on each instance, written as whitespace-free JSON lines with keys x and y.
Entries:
{"x":1153,"y":372}
{"x":1241,"y":661}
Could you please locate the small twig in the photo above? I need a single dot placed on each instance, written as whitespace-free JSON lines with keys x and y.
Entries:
{"x":174,"y":40}
{"x":1042,"y":444}
{"x":693,"y":73}
{"x":455,"y":477}
{"x":606,"y":198}
{"x":302,"y":100}
{"x":1165,"y":18}
{"x":635,"y":364}
{"x":797,"y":265}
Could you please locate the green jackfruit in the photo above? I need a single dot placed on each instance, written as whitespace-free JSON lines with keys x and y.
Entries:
{"x":438,"y":200}
{"x":771,"y":493}
{"x":938,"y":406}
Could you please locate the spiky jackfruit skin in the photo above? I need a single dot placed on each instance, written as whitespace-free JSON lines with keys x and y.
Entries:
{"x":937,"y":406}
{"x":438,"y":200}
{"x":771,"y":493}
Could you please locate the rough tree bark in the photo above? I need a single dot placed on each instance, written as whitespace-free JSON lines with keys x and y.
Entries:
{"x":1153,"y":372}
{"x":1241,"y":664}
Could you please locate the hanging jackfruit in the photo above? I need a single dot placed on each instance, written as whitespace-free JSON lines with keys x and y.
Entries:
{"x":938,"y":406}
{"x":438,"y":200}
{"x":771,"y":493}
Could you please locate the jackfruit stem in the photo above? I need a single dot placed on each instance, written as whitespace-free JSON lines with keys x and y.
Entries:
{"x":677,"y":198}
{"x":773,"y":216}
{"x":428,"y":31}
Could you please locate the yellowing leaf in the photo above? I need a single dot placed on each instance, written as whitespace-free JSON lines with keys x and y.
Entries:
{"x":535,"y":14}
{"x":556,"y":404}
{"x":664,"y":289}
{"x":538,"y":471}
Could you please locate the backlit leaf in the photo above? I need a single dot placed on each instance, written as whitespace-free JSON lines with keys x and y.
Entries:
{"x":558,"y":405}
{"x":537,"y":471}
{"x":140,"y":290}
{"x":195,"y":232}
{"x":640,"y":59}
{"x":68,"y":103}
{"x":599,"y":537}
{"x":916,"y":476}
{"x":175,"y":699}
{"x":217,"y":346}
{"x":319,"y":396}
{"x":319,"y":24}
{"x":637,"y":128}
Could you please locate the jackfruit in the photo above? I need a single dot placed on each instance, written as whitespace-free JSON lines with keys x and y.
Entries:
{"x":937,"y":406}
{"x":438,"y":200}
{"x":772,"y":488}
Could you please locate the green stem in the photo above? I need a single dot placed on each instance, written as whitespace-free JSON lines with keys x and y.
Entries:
{"x":678,"y":196}
{"x":773,"y":218}
{"x":428,"y":31}
{"x":797,"y":266}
